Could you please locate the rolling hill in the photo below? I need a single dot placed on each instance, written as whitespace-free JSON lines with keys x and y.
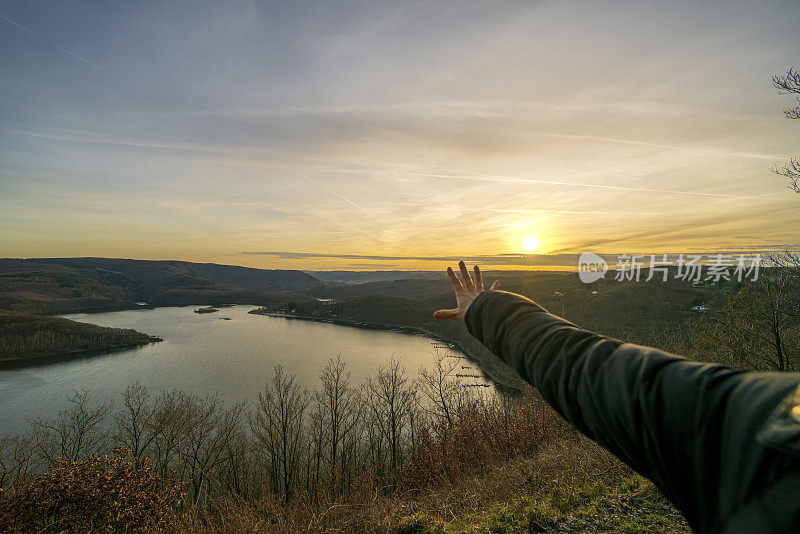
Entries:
{"x":30,"y":337}
{"x":59,"y":285}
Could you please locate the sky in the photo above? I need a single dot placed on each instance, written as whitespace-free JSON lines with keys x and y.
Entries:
{"x":385,"y":135}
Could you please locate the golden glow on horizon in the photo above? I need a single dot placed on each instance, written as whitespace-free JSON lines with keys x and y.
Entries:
{"x":413,"y":138}
{"x":531,"y":243}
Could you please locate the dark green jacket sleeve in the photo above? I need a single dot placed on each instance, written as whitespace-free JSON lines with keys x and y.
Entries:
{"x":688,"y":426}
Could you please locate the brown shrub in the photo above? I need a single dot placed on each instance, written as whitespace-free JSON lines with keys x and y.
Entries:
{"x":480,"y":436}
{"x":102,"y":493}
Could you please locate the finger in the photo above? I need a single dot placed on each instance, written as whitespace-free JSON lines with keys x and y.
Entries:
{"x":446,"y":314}
{"x":457,"y":287}
{"x":478,"y":279}
{"x":495,"y":285}
{"x":465,"y":278}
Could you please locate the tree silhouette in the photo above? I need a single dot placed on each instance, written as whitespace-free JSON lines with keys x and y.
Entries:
{"x":789,"y":84}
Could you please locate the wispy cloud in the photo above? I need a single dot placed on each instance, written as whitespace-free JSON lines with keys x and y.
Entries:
{"x":81,"y":136}
{"x":594,"y":186}
{"x":500,"y":259}
{"x":417,"y":131}
{"x":697,"y":226}
{"x":511,"y":260}
{"x":668,"y":146}
{"x":462,"y":108}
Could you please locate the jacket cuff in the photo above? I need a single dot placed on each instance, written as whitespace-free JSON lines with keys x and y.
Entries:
{"x":472,"y":317}
{"x":493,"y":307}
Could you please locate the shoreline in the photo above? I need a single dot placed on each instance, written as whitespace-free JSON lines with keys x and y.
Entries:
{"x":345,"y":322}
{"x":366,"y":325}
{"x":93,"y":309}
{"x":501,"y":382}
{"x":96,"y":309}
{"x":9,"y":364}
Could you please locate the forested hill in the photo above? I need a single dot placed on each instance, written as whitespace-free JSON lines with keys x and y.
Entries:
{"x":29,"y":337}
{"x":632,"y":310}
{"x":57,"y":285}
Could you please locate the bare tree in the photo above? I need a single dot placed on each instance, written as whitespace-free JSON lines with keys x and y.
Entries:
{"x":172,"y":414}
{"x":338,"y":406}
{"x":237,"y":473}
{"x":442,"y":392}
{"x":210,"y":428}
{"x":315,"y":447}
{"x":277,"y":425}
{"x":759,"y":326}
{"x":77,"y":432}
{"x":375,"y":443}
{"x":391,"y":401}
{"x":138,"y":426}
{"x":789,"y":84}
{"x":18,"y":461}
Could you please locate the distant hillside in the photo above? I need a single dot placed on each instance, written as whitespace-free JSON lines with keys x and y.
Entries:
{"x":360,"y":277}
{"x":400,"y":311}
{"x":655,"y":313}
{"x":381,"y":309}
{"x":627,"y":309}
{"x":27,"y":337}
{"x":58,"y":285}
{"x":182,"y":297}
{"x":410,"y":288}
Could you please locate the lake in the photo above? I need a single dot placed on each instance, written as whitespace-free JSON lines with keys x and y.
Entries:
{"x":202,"y":353}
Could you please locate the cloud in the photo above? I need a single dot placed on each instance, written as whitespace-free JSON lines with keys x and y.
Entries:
{"x":593,"y":186}
{"x":514,"y":260}
{"x":416,"y":131}
{"x":82,"y":136}
{"x":498,"y":259}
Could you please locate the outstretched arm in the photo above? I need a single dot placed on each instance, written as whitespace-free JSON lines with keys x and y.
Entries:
{"x":688,"y":426}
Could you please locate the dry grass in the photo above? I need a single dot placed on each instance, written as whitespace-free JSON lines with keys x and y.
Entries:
{"x":571,"y":486}
{"x":491,"y":470}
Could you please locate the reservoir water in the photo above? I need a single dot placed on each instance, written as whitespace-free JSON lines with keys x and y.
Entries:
{"x":202,"y":354}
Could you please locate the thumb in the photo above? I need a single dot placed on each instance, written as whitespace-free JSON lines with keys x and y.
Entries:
{"x":495,"y":285}
{"x":446,"y":314}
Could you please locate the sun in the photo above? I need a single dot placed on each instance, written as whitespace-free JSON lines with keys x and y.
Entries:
{"x":531,"y":243}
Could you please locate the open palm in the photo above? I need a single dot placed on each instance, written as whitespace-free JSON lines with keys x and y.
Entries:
{"x":466,"y":289}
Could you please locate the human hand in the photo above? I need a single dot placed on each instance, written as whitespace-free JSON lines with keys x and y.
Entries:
{"x":466,"y":291}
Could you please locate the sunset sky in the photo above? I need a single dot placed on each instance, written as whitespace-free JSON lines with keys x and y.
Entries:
{"x":380,"y":135}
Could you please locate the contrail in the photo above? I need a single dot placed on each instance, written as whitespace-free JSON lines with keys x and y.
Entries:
{"x":73,"y":54}
{"x":332,"y":192}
